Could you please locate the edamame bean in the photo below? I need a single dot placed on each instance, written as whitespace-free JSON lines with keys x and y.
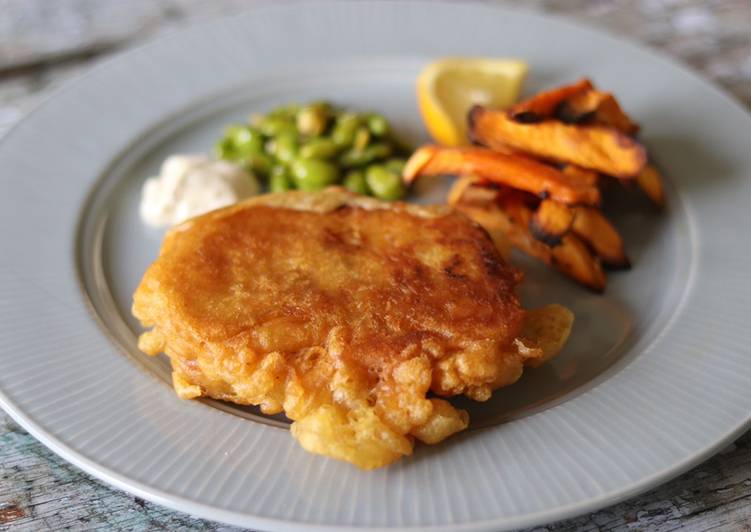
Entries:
{"x":313,"y":119}
{"x":259,"y":164}
{"x":278,"y":169}
{"x":378,"y":125}
{"x":245,"y":139}
{"x":355,"y":182}
{"x":272,"y":126}
{"x":362,"y":137}
{"x":225,"y":149}
{"x":287,"y":112}
{"x":313,"y":174}
{"x":310,"y":146}
{"x":284,"y":146}
{"x":353,"y":157}
{"x":279,"y":180}
{"x":384,"y":184}
{"x":344,"y":130}
{"x":319,"y":148}
{"x":396,"y":165}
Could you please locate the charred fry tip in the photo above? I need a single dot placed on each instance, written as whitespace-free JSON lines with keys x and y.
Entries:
{"x":526,"y":117}
{"x":599,"y":289}
{"x":543,"y":236}
{"x":551,"y":222}
{"x":565,"y":114}
{"x":542,"y":105}
{"x":623,"y":265}
{"x":591,"y":106}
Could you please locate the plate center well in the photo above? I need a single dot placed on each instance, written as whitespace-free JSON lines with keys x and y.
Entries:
{"x":115,"y":247}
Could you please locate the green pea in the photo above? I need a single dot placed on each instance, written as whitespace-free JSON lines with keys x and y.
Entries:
{"x":271,"y":126}
{"x":384,"y":184}
{"x":344,"y":130}
{"x":279,"y":180}
{"x":245,"y":139}
{"x":378,"y":125}
{"x":355,"y":182}
{"x":313,"y":174}
{"x":375,"y":151}
{"x":284,"y":146}
{"x":319,"y":148}
{"x":313,"y":119}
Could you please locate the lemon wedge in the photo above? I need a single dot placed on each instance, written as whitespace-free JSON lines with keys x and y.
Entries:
{"x":447,"y":88}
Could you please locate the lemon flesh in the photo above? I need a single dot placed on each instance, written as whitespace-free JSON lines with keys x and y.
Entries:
{"x":448,"y":88}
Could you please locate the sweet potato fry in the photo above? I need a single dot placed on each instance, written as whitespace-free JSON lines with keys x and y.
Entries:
{"x":516,"y":171}
{"x":596,"y":107}
{"x":650,"y":181}
{"x":591,"y":226}
{"x":573,"y":258}
{"x":551,"y":221}
{"x":507,"y":221}
{"x":544,"y":104}
{"x":595,"y":147}
{"x":463,"y":184}
{"x":581,"y":175}
{"x":494,"y":221}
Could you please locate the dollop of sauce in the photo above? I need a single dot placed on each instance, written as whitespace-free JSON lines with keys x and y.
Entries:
{"x":189,"y":185}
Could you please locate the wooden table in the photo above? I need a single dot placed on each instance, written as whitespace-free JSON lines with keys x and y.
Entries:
{"x":43,"y":44}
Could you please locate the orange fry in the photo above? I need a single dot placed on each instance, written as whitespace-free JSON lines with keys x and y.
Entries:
{"x":573,"y":258}
{"x":591,"y":226}
{"x":543,"y":104}
{"x":583,"y":175}
{"x":464,"y":184}
{"x":595,"y":147}
{"x":507,"y":220}
{"x":596,"y":107}
{"x":513,"y":170}
{"x":650,"y":181}
{"x":495,"y":222}
{"x":551,"y":221}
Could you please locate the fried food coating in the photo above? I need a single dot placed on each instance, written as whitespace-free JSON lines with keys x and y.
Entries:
{"x":341,"y":311}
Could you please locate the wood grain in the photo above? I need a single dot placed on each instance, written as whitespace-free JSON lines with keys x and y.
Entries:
{"x":43,"y":44}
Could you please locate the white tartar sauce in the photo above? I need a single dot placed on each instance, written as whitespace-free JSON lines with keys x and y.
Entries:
{"x":189,"y":185}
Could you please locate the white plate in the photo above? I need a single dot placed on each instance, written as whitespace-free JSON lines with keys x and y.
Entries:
{"x":656,"y":375}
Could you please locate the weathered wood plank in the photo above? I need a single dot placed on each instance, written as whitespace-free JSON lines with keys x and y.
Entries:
{"x":43,"y":44}
{"x":39,"y":490}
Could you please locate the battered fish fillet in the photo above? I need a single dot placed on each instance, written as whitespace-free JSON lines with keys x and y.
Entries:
{"x":343,"y":312}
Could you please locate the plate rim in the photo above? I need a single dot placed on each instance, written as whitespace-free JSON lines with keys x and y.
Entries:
{"x":204,"y":511}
